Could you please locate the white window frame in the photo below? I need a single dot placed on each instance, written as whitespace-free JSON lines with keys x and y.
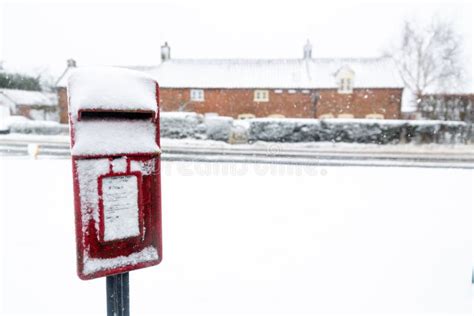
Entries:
{"x":246,"y":116}
{"x":375,"y":116}
{"x":197,"y":95}
{"x":345,"y":85}
{"x":261,"y":96}
{"x":326,"y":116}
{"x":348,"y":86}
{"x":345,"y":115}
{"x":345,"y":80}
{"x":342,"y":84}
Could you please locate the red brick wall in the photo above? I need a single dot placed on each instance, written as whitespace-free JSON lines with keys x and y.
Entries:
{"x":24,"y":111}
{"x":41,"y":112}
{"x":62,"y":102}
{"x":232,"y":102}
{"x":361,"y":102}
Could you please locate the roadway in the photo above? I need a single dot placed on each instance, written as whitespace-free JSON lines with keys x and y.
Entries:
{"x":425,"y":156}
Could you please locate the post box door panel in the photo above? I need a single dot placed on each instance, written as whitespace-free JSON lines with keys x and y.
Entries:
{"x":119,"y":207}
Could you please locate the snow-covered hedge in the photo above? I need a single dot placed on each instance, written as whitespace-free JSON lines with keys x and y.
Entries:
{"x":181,"y":125}
{"x":192,"y":125}
{"x":38,"y":127}
{"x":218,"y":127}
{"x":359,"y":131}
{"x":197,"y":126}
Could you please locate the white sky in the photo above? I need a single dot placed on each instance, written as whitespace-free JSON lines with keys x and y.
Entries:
{"x":39,"y":35}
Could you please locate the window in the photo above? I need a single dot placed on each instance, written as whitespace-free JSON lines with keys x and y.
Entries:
{"x":342,"y":84}
{"x":326,"y":116}
{"x":375,"y":116}
{"x":245,"y":116}
{"x":197,"y":95}
{"x":345,"y":85}
{"x":345,"y":115}
{"x":276,"y":116}
{"x":348,"y":86}
{"x":260,"y":96}
{"x":292,"y":91}
{"x":345,"y":80}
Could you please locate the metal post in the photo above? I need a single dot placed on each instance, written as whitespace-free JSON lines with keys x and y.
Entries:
{"x":118,"y":297}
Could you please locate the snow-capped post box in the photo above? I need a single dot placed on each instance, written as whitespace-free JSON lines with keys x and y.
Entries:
{"x":115,"y":146}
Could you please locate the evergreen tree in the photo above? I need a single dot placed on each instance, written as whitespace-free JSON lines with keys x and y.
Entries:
{"x":19,"y":81}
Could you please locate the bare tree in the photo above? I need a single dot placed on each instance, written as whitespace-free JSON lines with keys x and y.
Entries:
{"x":429,"y":57}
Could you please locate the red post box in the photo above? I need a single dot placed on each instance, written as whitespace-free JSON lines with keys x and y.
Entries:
{"x":115,"y":146}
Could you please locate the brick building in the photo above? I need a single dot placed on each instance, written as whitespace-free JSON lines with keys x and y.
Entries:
{"x":35,"y":105}
{"x":302,"y":88}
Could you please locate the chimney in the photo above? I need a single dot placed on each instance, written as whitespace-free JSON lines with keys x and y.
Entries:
{"x":71,"y":63}
{"x":307,"y":50}
{"x":165,"y":52}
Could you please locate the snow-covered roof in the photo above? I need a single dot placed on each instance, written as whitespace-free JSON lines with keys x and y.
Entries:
{"x":306,"y":73}
{"x":30,"y":98}
{"x":275,"y":73}
{"x":108,"y":88}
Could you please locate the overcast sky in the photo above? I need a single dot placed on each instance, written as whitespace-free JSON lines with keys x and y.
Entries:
{"x":43,"y":35}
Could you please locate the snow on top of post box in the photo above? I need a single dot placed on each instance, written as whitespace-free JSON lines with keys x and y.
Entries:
{"x":108,"y":88}
{"x":114,"y":137}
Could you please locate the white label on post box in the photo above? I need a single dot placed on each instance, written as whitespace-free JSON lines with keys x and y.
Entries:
{"x":120,"y":198}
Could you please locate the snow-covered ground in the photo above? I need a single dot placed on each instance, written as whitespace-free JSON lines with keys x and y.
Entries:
{"x":11,"y":144}
{"x":246,"y":239}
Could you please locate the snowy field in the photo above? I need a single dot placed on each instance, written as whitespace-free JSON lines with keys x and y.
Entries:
{"x":243,"y":239}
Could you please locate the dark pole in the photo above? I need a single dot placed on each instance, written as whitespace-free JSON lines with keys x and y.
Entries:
{"x":118,"y":297}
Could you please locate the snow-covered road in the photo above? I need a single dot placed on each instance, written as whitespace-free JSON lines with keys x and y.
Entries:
{"x":310,"y":154}
{"x":254,"y":239}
